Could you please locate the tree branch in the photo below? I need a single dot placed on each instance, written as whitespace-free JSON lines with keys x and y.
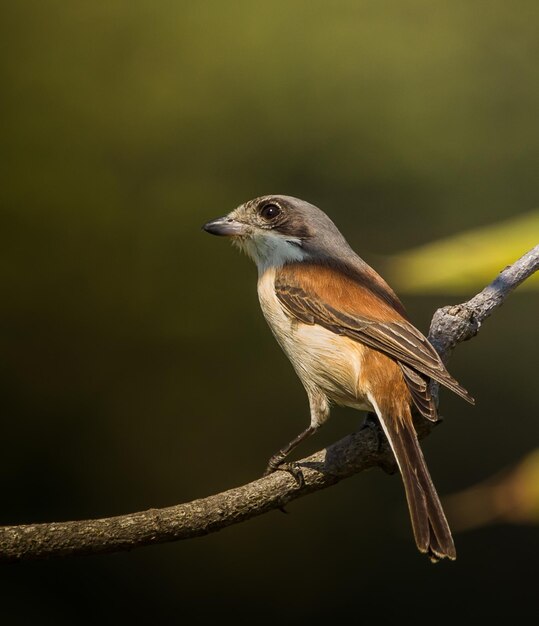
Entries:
{"x":357,"y":452}
{"x":452,"y":325}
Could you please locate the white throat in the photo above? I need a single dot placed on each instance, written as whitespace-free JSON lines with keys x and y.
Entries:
{"x":271,"y":249}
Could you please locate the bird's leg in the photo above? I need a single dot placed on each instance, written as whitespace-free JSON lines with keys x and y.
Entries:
{"x":276,"y":462}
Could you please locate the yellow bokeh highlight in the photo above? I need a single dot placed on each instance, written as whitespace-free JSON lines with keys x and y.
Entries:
{"x":468,"y":261}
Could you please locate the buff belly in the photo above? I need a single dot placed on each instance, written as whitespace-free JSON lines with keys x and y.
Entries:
{"x":325,"y":362}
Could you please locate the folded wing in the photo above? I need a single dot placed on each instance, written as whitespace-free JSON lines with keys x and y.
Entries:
{"x":362,"y":310}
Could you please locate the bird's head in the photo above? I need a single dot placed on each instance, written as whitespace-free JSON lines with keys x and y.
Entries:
{"x":275,"y":230}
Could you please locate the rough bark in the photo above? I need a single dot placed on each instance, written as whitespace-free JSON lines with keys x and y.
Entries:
{"x":357,"y":452}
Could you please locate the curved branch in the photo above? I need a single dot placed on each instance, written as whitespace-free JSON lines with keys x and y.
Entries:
{"x":352,"y":454}
{"x":454,"y":324}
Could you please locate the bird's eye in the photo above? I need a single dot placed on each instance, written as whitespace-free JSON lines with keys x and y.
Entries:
{"x":270,"y":211}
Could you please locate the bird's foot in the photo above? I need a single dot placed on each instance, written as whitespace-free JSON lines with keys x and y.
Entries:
{"x":276,"y":464}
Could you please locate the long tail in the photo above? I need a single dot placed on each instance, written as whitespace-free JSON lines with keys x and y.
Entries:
{"x":431,"y":530}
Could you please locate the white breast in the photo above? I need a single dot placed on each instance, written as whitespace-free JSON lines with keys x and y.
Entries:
{"x":323,"y":360}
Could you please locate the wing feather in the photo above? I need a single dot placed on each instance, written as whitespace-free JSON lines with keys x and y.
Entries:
{"x":306,"y":290}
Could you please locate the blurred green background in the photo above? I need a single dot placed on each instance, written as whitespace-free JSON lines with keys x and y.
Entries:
{"x":136,"y":368}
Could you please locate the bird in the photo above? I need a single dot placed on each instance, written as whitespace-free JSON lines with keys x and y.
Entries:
{"x":348,"y":338}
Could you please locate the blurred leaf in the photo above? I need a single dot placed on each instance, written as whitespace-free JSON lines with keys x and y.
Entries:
{"x":512,"y":496}
{"x":467,"y":261}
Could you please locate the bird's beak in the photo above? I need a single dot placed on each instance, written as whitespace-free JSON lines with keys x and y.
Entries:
{"x":225,"y":227}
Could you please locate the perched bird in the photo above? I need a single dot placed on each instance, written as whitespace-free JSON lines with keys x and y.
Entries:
{"x":348,"y":338}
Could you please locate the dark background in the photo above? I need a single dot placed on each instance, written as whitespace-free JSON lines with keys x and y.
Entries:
{"x":136,"y":368}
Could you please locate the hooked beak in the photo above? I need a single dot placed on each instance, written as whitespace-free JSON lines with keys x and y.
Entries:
{"x":225,"y":227}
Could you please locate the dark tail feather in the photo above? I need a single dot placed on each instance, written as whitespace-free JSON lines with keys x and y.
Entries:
{"x":431,"y":530}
